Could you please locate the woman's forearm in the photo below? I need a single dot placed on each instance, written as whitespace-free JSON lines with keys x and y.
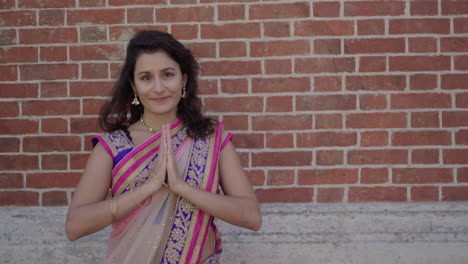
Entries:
{"x":239,"y":211}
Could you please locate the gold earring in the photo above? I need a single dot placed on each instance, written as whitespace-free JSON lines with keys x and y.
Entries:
{"x":135,"y":100}
{"x":183,"y":92}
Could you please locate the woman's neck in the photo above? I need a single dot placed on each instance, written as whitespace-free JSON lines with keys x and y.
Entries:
{"x":156,"y":121}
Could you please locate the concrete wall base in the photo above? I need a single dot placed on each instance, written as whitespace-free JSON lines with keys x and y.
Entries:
{"x":384,"y":233}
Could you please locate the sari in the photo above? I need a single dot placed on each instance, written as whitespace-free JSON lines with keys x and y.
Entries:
{"x":166,"y":228}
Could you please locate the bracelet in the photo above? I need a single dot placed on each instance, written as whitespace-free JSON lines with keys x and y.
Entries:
{"x":113,"y":210}
{"x":133,"y":196}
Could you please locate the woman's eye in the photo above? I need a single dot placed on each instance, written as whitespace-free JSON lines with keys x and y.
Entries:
{"x":168,"y":74}
{"x":146,"y":78}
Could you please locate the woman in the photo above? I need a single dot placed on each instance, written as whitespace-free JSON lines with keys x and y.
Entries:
{"x":164,"y":162}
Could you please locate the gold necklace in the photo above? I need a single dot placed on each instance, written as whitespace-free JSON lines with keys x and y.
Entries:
{"x":152,"y":130}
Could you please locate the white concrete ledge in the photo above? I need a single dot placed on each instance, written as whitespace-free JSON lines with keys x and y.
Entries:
{"x":393,"y":233}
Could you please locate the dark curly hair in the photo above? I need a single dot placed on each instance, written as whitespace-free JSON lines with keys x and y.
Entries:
{"x":118,"y":113}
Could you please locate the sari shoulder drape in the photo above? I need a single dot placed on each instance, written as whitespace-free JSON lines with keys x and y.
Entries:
{"x":115,"y":143}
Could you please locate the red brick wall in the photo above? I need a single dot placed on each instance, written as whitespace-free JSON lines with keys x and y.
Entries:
{"x":330,"y":101}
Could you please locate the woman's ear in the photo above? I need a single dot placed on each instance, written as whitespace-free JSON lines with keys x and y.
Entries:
{"x":184,"y":79}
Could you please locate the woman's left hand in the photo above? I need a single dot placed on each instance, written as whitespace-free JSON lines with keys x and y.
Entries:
{"x":173,"y":175}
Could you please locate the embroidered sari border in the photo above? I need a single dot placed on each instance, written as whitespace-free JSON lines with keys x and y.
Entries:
{"x":104,"y":144}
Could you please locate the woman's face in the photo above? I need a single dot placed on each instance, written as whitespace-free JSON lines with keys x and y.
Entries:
{"x":158,"y":83}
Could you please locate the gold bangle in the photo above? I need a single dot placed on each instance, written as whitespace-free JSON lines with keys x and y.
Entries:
{"x":133,"y":196}
{"x":114,"y":210}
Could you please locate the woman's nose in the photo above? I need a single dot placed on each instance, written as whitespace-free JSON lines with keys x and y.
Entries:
{"x":158,"y":86}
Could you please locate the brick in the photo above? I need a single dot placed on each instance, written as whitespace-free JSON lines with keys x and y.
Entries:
{"x":285,"y":195}
{"x":425,"y":156}
{"x":454,"y":44}
{"x":248,"y":141}
{"x":93,"y":34}
{"x":374,"y":175}
{"x":92,"y":3}
{"x":236,"y":122}
{"x":454,"y":7}
{"x":419,"y":26}
{"x":419,"y":100}
{"x":327,"y":176}
{"x":18,"y":90}
{"x":282,"y":122}
{"x":330,"y":195}
{"x":322,"y":139}
{"x":374,"y":45}
{"x":54,"y":162}
{"x":203,"y":50}
{"x":421,"y":175}
{"x":374,"y":8}
{"x":18,"y":162}
{"x":376,"y":83}
{"x":278,"y":66}
{"x":377,"y":194}
{"x":51,"y":143}
{"x":419,"y":63}
{"x":52,"y":180}
{"x":424,"y":8}
{"x":140,"y":15}
{"x":327,"y":83}
{"x":234,"y":104}
{"x":9,"y":109}
{"x":97,"y":52}
{"x":329,"y":157}
{"x":125,"y":33}
{"x":282,"y":140}
{"x":372,"y":102}
{"x":7,"y":36}
{"x":11,"y":180}
{"x":227,"y":1}
{"x":189,"y":31}
{"x":462,"y":175}
{"x":135,"y":2}
{"x":54,"y":125}
{"x":78,"y":161}
{"x":323,"y":28}
{"x":422,"y":45}
{"x":53,"y":89}
{"x":276,"y":11}
{"x":378,"y":156}
{"x":52,"y":17}
{"x":280,"y":177}
{"x":454,"y":81}
{"x":455,"y":156}
{"x":223,"y":68}
{"x":371,"y":27}
{"x":48,"y":35}
{"x":460,"y":25}
{"x":207,"y":87}
{"x":94,"y":71}
{"x":327,"y":46}
{"x":185,"y":14}
{"x":84,"y":125}
{"x":280,"y":159}
{"x":279,"y":48}
{"x":46,"y":3}
{"x":424,"y":119}
{"x":54,"y":198}
{"x":280,"y":85}
{"x":374,"y":138}
{"x":18,"y":126}
{"x":415,"y":138}
{"x":454,"y":118}
{"x":455,"y":193}
{"x":372,"y":64}
{"x":9,"y":73}
{"x":183,"y":2}
{"x":17,"y":18}
{"x":232,"y":49}
{"x":226,"y":31}
{"x":9,"y":144}
{"x":93,"y":106}
{"x":326,"y":102}
{"x":321,"y":65}
{"x":376,"y":120}
{"x":95,"y":16}
{"x":276,"y":29}
{"x":328,"y":121}
{"x":18,"y":54}
{"x":461,"y":63}
{"x":279,"y":104}
{"x":56,"y":107}
{"x":19,"y":198}
{"x":326,"y":9}
{"x":53,"y":53}
{"x":256,"y":177}
{"x":48,"y":71}
{"x":231,"y":12}
{"x":234,"y":85}
{"x":425,"y":194}
{"x":423,"y":82}
{"x":461,"y":137}
{"x":7,"y":4}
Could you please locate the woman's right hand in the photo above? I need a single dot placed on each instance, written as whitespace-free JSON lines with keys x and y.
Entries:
{"x":159,"y":171}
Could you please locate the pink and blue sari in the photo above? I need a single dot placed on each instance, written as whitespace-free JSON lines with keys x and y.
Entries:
{"x":166,"y":228}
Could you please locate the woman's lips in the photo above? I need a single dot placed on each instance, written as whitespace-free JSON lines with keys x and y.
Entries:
{"x":161,"y":99}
